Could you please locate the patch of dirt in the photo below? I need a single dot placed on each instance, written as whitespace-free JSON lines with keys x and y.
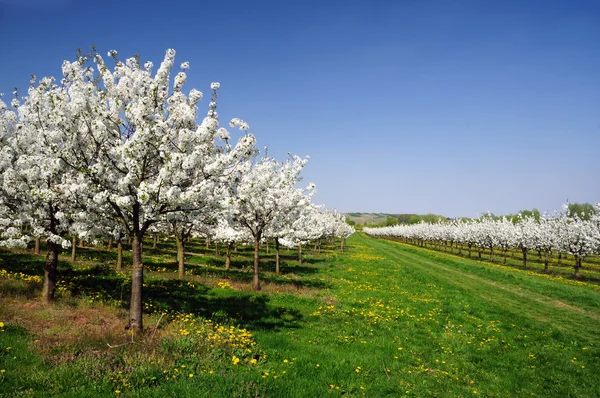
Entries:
{"x":67,"y":329}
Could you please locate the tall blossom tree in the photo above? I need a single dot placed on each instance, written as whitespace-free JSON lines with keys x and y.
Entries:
{"x":261,"y":192}
{"x":135,"y":144}
{"x":33,"y":176}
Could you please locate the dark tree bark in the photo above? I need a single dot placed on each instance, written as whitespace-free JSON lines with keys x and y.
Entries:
{"x":180,"y":256}
{"x":50,"y":273}
{"x":73,"y":248}
{"x":277,"y":255}
{"x":255,"y":280}
{"x":578,"y":261}
{"x":228,"y":255}
{"x":110,"y":244}
{"x":36,"y":249}
{"x":119,"y":255}
{"x":137,"y":281}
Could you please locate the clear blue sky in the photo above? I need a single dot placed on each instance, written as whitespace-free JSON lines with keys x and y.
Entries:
{"x":450,"y":107}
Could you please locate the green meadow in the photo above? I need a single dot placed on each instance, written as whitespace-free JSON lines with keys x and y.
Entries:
{"x":380,"y":319}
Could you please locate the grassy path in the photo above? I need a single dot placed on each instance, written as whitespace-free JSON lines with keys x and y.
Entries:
{"x":410,"y":321}
{"x":539,"y":304}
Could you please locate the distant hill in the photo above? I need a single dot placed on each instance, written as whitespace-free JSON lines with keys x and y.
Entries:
{"x":369,"y":218}
{"x":380,"y":218}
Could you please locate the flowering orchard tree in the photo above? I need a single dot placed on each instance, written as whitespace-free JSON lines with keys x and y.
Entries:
{"x":291,"y":223}
{"x":33,"y":182}
{"x":11,"y":216}
{"x":308,"y":225}
{"x":134,"y":144}
{"x":577,"y":237}
{"x":338,"y":226}
{"x":260,"y":193}
{"x":224,"y":233}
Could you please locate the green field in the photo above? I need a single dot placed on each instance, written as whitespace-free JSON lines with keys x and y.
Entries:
{"x":382,"y":319}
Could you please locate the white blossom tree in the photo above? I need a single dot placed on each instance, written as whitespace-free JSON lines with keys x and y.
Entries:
{"x":262,"y":191}
{"x":33,"y":175}
{"x":135,"y":145}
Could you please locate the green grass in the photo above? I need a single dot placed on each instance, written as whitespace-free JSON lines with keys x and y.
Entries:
{"x":383,"y":319}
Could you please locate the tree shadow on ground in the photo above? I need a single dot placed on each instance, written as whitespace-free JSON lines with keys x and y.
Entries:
{"x":27,"y":263}
{"x":244,"y":275}
{"x":247,"y":310}
{"x":174,"y":295}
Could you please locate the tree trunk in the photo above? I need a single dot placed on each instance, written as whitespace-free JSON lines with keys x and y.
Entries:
{"x":524,"y":257}
{"x":119,"y":256}
{"x":73,"y":248}
{"x":137,"y":282}
{"x":36,"y":250}
{"x":155,"y":242}
{"x":470,"y":250}
{"x":180,"y":257}
{"x":491,"y":254}
{"x":228,"y":255}
{"x":216,"y":248}
{"x":578,"y":261}
{"x":255,"y":280}
{"x":50,"y":273}
{"x":299,"y":254}
{"x":559,"y":258}
{"x":110,"y":244}
{"x":504,"y":256}
{"x":277,"y":255}
{"x":546,"y":262}
{"x":343,"y":243}
{"x":267,"y":246}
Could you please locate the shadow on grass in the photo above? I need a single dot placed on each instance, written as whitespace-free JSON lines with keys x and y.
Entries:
{"x":245,"y":309}
{"x":241,"y":272}
{"x":26,"y":263}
